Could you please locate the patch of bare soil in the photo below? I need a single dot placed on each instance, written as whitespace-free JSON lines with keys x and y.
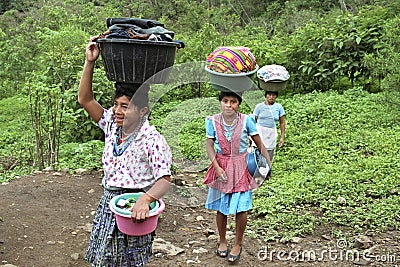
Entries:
{"x":45,"y":220}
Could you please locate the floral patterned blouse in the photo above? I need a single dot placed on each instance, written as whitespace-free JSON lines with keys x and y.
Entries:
{"x":146,"y":159}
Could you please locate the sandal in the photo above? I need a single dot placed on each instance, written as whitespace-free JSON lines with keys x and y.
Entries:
{"x":221,"y":253}
{"x":232,"y":258}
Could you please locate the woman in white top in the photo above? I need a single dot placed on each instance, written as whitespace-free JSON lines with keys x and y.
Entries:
{"x":267,"y":115}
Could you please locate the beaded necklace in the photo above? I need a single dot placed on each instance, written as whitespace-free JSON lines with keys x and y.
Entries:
{"x":228,"y":129}
{"x":121,"y":144}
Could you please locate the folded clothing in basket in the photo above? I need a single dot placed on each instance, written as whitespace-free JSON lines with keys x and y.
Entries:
{"x":132,"y":28}
{"x":273,"y":73}
{"x":231,"y":60}
{"x":142,"y":23}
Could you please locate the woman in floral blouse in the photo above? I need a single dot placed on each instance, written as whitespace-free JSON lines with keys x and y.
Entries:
{"x":136,"y":158}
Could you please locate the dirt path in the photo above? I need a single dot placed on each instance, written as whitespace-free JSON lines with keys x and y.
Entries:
{"x":45,"y":220}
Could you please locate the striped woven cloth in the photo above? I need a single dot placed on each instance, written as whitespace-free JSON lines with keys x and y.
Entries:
{"x":231,"y":60}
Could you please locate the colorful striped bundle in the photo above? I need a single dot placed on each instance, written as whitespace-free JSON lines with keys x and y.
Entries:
{"x":231,"y":60}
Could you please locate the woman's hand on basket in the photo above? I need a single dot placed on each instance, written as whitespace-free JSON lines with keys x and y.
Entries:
{"x":140,"y":211}
{"x":92,"y":50}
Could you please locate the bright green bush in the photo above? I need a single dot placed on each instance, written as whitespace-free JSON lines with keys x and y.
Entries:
{"x":16,"y":137}
{"x":81,"y":155}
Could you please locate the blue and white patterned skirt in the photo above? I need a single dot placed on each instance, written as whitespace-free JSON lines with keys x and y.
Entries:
{"x":109,"y":247}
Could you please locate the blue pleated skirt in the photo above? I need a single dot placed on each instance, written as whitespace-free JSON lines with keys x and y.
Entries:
{"x":229,"y":203}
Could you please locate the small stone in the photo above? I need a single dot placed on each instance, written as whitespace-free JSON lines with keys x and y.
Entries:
{"x":200,"y":250}
{"x":161,"y":245}
{"x":91,"y":191}
{"x":89,"y":227}
{"x":51,"y":242}
{"x":57,"y":174}
{"x":75,"y":256}
{"x":362,"y":242}
{"x":80,"y":170}
{"x":199,"y":218}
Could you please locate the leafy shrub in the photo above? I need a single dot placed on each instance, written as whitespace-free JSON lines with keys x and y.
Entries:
{"x":16,"y":137}
{"x":81,"y":155}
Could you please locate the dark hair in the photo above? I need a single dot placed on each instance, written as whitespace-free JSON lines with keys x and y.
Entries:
{"x":271,"y":92}
{"x":136,"y":92}
{"x":238,"y":95}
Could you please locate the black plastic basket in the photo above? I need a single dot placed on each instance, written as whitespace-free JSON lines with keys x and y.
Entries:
{"x":137,"y":61}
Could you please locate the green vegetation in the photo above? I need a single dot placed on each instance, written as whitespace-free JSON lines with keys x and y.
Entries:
{"x":339,"y":166}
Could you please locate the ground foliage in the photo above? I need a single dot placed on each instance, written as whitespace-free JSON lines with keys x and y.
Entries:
{"x":339,"y":166}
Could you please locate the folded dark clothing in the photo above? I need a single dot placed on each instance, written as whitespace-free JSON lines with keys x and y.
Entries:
{"x":118,"y":33}
{"x":142,"y":23}
{"x":158,"y":30}
{"x":142,"y":29}
{"x":130,"y":31}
